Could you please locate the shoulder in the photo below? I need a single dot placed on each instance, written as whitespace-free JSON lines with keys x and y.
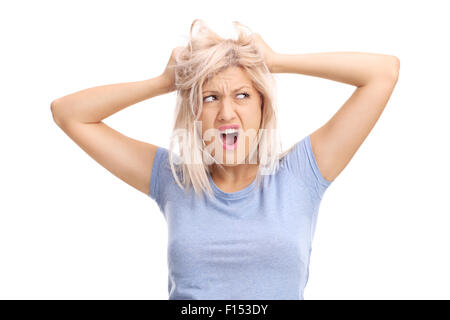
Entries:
{"x":300,"y":162}
{"x":162,"y":173}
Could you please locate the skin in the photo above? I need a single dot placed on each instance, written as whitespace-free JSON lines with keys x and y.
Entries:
{"x":80,"y":115}
{"x":222,"y":106}
{"x":374,"y":75}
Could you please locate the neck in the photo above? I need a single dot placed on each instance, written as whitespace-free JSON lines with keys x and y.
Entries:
{"x":238,"y":174}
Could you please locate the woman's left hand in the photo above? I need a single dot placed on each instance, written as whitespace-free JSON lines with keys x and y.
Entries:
{"x":269,"y":55}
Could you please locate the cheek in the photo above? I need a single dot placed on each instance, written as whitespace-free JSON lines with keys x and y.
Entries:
{"x":207,"y":115}
{"x":204,"y":120}
{"x":256,"y":115}
{"x":207,"y":122}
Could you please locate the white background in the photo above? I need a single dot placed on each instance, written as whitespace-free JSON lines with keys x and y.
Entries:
{"x":69,"y":229}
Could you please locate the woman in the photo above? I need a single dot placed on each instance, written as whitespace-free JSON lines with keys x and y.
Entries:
{"x":251,"y":237}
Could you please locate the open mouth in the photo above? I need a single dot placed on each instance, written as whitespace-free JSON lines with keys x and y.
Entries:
{"x":229,"y":138}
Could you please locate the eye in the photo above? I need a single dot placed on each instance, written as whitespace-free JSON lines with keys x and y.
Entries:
{"x":246,"y":94}
{"x":204,"y":99}
{"x":242,"y":93}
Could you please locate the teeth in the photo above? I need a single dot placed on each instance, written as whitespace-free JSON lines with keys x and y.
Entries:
{"x":229,"y":131}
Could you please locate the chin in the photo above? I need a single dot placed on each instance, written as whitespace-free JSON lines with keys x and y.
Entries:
{"x":230,"y":165}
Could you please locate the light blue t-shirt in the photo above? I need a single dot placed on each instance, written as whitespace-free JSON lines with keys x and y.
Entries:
{"x":249,"y":244}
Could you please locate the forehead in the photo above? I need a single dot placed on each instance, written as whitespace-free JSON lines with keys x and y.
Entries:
{"x":230,"y":79}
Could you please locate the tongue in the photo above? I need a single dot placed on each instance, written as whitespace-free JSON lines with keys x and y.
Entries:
{"x":229,"y":139}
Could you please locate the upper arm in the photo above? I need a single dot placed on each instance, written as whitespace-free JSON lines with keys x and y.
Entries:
{"x":300,"y":161}
{"x":335,"y":143}
{"x":128,"y":159}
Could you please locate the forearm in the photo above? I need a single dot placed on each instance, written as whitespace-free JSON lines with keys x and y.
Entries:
{"x":97,"y":103}
{"x":355,"y":68}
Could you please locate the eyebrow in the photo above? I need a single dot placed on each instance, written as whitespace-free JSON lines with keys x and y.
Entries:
{"x":212,"y":91}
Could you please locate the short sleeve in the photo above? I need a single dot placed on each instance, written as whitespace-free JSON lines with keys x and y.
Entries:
{"x":300,"y":161}
{"x":157,"y":179}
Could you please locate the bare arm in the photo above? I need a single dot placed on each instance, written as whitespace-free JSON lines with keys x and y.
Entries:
{"x":354,"y":68}
{"x":80,"y":116}
{"x":95,"y":104}
{"x":375,"y":76}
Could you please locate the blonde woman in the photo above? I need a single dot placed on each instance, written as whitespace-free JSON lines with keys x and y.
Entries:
{"x":241,"y":214}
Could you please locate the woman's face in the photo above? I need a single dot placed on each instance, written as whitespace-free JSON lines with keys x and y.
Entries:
{"x":230,"y":99}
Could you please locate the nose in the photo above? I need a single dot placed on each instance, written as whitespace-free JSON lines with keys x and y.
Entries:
{"x":226,"y":111}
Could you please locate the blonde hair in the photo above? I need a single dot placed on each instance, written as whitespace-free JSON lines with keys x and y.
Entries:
{"x":206,"y":55}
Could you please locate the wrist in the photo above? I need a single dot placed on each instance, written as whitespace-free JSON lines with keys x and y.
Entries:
{"x":165,"y":85}
{"x":275,"y":63}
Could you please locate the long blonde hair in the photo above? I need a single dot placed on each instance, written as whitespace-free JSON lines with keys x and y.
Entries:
{"x":206,"y":55}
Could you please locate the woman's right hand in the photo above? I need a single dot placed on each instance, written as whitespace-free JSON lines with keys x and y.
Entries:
{"x":168,"y":75}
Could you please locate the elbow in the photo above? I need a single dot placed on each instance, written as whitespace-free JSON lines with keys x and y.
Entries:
{"x":394,"y":68}
{"x":54,"y":108}
{"x":386,"y":69}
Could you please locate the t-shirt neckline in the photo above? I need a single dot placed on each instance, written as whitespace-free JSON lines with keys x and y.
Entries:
{"x":232,"y":195}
